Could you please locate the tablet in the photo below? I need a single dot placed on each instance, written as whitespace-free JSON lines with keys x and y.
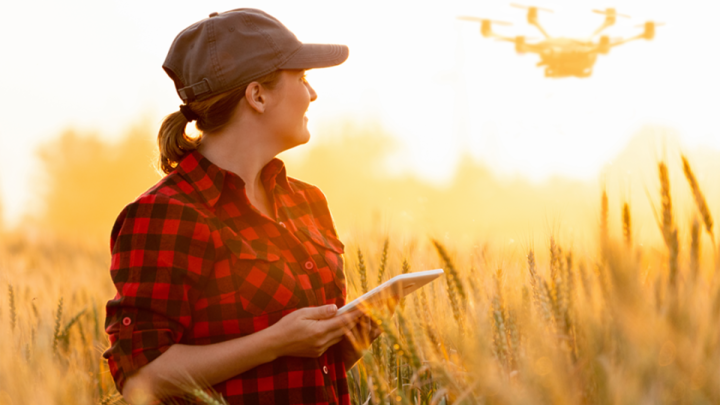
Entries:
{"x":397,"y":287}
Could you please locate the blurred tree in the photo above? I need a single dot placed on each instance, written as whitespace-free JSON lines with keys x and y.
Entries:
{"x":87,"y":181}
{"x":2,"y":215}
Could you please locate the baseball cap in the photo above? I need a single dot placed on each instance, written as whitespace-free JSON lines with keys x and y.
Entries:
{"x":231,"y":49}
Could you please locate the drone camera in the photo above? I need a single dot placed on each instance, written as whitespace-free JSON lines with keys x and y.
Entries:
{"x":604,"y":44}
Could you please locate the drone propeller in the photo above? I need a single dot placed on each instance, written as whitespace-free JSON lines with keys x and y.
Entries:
{"x":478,"y":19}
{"x":610,"y":12}
{"x":660,"y":24}
{"x":649,"y":32}
{"x":524,"y":38}
{"x":529,"y":7}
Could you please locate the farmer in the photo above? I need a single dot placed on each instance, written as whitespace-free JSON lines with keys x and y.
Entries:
{"x":228,"y":272}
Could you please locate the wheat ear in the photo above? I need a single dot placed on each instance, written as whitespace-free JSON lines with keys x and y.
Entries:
{"x":363,"y":271}
{"x":627,"y":225}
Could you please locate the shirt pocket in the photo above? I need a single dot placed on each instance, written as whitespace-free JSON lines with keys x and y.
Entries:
{"x":264,"y":283}
{"x":328,"y":255}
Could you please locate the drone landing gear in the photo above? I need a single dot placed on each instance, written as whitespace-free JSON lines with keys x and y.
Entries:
{"x":584,"y":73}
{"x":564,"y":72}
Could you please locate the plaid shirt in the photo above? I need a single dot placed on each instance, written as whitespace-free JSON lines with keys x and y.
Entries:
{"x":194,"y":263}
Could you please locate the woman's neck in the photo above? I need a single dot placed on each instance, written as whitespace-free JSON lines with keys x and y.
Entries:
{"x":243,"y":151}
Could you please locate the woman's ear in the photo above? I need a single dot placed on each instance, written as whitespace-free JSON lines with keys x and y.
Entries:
{"x":256,"y":97}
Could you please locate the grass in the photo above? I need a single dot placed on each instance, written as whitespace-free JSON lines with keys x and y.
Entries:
{"x":556,"y":323}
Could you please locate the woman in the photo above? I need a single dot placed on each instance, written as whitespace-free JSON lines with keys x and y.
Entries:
{"x":228,"y":272}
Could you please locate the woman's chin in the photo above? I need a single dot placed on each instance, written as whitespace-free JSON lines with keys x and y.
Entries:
{"x":300,"y":139}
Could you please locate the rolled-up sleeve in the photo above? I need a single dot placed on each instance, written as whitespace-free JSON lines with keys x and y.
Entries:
{"x":162,"y":254}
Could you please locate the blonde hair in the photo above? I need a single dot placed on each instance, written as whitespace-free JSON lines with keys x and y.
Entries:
{"x":213,"y":115}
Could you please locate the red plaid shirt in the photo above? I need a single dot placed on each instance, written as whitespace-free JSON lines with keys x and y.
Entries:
{"x":194,"y":263}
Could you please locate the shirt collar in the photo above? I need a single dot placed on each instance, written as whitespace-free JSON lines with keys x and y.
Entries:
{"x":208,"y":179}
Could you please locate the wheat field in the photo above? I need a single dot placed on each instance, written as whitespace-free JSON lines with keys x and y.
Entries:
{"x":551,"y":322}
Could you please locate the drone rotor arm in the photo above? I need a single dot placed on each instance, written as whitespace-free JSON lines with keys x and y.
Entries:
{"x":541,"y":29}
{"x":625,"y":41}
{"x":526,"y":47}
{"x":532,"y":48}
{"x":601,"y":29}
{"x":611,"y":16}
{"x":485,"y":24}
{"x":503,"y":37}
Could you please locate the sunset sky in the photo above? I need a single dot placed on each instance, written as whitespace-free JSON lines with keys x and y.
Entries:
{"x":430,"y":80}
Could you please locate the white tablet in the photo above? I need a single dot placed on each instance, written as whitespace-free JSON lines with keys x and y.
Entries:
{"x":397,"y":287}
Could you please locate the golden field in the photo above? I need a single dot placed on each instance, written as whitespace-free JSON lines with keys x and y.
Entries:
{"x":554,"y":294}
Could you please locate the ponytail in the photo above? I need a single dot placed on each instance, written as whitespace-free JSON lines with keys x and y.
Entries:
{"x":211,"y":115}
{"x":173,"y":142}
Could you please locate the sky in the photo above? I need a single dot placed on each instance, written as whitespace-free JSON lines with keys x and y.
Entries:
{"x":427,"y":78}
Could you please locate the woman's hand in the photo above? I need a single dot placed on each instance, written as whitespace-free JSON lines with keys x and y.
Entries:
{"x":364,"y":333}
{"x":358,"y":339}
{"x":309,"y":332}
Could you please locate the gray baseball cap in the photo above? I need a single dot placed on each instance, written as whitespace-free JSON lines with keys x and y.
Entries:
{"x":231,"y":49}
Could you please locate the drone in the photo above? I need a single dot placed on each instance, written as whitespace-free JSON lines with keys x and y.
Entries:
{"x":565,"y":57}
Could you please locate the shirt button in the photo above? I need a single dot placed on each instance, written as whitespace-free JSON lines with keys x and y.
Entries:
{"x":127,"y":321}
{"x":325,"y":370}
{"x":308,"y":265}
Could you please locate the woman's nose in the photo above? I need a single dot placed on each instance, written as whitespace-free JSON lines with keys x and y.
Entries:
{"x":313,"y":95}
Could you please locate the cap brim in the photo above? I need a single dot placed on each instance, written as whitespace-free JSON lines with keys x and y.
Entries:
{"x":311,"y":56}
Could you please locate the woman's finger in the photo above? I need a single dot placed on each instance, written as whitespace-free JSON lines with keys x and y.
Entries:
{"x":342,"y":322}
{"x":339,"y":333}
{"x":333,"y":342}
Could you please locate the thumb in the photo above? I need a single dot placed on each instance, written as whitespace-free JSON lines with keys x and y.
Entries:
{"x":322,"y":312}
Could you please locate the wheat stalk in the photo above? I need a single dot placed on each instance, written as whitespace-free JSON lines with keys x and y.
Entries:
{"x":500,"y":347}
{"x":555,"y":259}
{"x":453,"y":276}
{"x":64,"y":335}
{"x":471,"y":279}
{"x":11,"y":299}
{"x":454,"y":287}
{"x":35,"y":311}
{"x":569,"y":278}
{"x":110,"y":399}
{"x":425,"y":317}
{"x":669,"y":231}
{"x":695,"y":247}
{"x":503,"y":338}
{"x":58,"y":320}
{"x":383,"y":261}
{"x":604,"y":224}
{"x":665,"y":203}
{"x":405,"y":270}
{"x":699,"y":197}
{"x":585,"y":280}
{"x":411,"y":349}
{"x":540,"y":297}
{"x":526,"y":303}
{"x":206,"y":398}
{"x":514,"y":337}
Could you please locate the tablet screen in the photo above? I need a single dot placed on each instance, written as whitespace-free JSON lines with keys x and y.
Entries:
{"x":395,"y":288}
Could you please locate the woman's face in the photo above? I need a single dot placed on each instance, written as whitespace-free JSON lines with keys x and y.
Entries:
{"x":291,"y":98}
